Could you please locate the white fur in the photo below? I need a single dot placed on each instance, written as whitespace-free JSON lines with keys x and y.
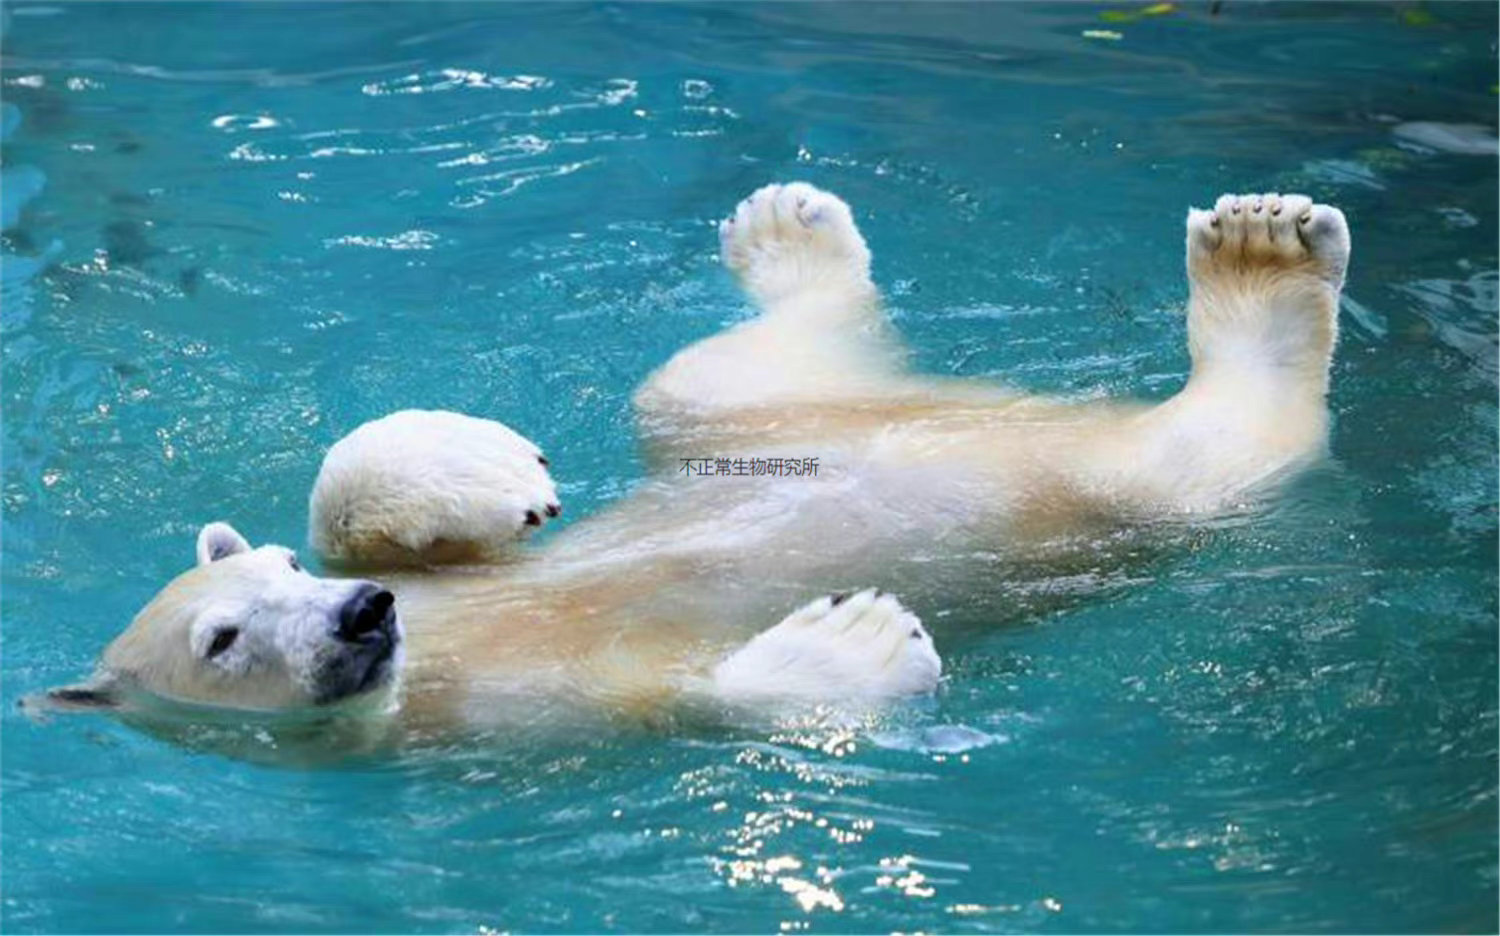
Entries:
{"x":1265,"y":272}
{"x":862,"y":646}
{"x":428,"y":486}
{"x":922,"y":478}
{"x":284,"y":620}
{"x":786,"y":240}
{"x":219,"y":541}
{"x":797,"y":254}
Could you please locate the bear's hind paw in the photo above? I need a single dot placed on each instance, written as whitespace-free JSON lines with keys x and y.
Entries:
{"x":789,"y":239}
{"x":1246,"y":234}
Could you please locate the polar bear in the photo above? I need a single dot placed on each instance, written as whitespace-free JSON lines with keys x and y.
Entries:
{"x":925,"y":486}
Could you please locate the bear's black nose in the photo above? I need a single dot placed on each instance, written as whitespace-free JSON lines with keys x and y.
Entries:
{"x":370,"y":611}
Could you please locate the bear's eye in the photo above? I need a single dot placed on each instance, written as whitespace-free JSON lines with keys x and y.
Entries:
{"x":223,"y":640}
{"x":291,"y":560}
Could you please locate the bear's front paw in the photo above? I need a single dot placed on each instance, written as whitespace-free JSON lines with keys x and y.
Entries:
{"x":786,"y":239}
{"x":861,"y":646}
{"x":425,"y":487}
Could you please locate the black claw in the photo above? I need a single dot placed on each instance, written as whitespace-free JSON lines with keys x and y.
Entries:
{"x":916,"y":633}
{"x":542,"y":460}
{"x":532,"y":519}
{"x":554,"y":509}
{"x":840,"y":598}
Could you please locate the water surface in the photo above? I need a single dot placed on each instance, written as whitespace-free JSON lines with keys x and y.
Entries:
{"x":263,"y":225}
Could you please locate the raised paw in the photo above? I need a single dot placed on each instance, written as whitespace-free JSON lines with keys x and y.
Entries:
{"x":861,"y":646}
{"x":1244,"y":234}
{"x":429,"y":487}
{"x":787,"y":239}
{"x":1266,"y":271}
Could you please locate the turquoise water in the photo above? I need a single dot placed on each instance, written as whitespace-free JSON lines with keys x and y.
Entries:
{"x":268,"y":224}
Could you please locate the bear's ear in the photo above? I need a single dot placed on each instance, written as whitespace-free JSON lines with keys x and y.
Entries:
{"x":219,"y":541}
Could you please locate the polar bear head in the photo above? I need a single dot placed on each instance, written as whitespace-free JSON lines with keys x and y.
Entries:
{"x":250,"y":629}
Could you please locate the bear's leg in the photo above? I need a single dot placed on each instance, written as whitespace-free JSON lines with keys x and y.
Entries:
{"x":1265,"y":274}
{"x":841,"y":647}
{"x":820,"y":336}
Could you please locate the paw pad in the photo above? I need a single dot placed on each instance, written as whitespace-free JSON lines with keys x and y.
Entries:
{"x":1245,"y":232}
{"x":784,"y":239}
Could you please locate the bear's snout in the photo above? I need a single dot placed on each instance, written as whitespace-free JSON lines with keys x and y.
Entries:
{"x":371,"y":612}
